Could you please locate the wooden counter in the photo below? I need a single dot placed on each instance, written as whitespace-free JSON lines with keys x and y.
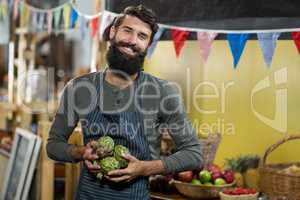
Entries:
{"x":160,"y":196}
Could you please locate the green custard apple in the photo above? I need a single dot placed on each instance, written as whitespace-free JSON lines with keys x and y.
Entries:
{"x":108,"y":164}
{"x":118,"y":152}
{"x":105,"y":146}
{"x":99,"y":175}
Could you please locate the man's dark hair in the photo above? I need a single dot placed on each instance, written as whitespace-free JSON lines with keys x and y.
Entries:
{"x":144,"y":14}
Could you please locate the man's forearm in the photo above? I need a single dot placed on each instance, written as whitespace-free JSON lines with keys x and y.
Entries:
{"x":76,"y":152}
{"x":153,"y":167}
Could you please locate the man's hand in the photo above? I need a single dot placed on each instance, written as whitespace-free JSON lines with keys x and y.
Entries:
{"x":134,"y":169}
{"x":88,"y":156}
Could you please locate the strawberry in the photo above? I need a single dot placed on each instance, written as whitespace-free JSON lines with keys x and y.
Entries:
{"x":253,"y":191}
{"x":239,"y":191}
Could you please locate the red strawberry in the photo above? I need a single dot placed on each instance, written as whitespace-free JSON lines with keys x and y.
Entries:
{"x":252,"y":191}
{"x":239,"y":191}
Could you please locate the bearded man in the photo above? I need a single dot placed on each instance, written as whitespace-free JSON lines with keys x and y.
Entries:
{"x":130,"y":106}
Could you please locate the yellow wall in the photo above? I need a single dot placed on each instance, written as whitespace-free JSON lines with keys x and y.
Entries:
{"x":229,"y":102}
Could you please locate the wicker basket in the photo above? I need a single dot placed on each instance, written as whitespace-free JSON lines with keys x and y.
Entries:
{"x":200,"y":191}
{"x":238,"y":197}
{"x":209,"y":148}
{"x":274,"y":181}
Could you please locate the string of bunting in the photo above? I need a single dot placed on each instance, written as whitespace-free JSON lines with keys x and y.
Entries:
{"x":236,"y":39}
{"x":55,"y":20}
{"x":65,"y":17}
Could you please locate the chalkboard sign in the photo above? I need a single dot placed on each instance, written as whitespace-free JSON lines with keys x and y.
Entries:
{"x":22,"y":162}
{"x":220,"y":15}
{"x":46,"y":4}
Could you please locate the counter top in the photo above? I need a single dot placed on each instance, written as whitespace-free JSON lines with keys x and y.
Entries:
{"x":160,"y":196}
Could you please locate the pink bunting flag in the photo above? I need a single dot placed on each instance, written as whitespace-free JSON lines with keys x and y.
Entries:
{"x":94,"y":26}
{"x":205,"y":40}
{"x":296,"y":38}
{"x":179,"y":38}
{"x":16,"y":9}
{"x":49,"y":21}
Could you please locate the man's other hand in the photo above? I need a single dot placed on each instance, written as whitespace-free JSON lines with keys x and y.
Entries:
{"x":134,"y":169}
{"x":89,"y":156}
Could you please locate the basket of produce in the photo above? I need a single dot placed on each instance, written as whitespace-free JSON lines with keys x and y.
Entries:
{"x":239,"y":194}
{"x":282,"y":179}
{"x":205,"y":184}
{"x":245,"y":169}
{"x":209,"y":144}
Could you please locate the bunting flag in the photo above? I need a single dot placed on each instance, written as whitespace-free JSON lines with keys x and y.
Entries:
{"x":268,"y":44}
{"x":237,"y":44}
{"x":205,"y":40}
{"x":4,"y":23}
{"x":66,"y":14}
{"x":49,"y":21}
{"x":154,"y":42}
{"x":10,"y":5}
{"x":94,"y":26}
{"x":57,"y":16}
{"x":77,"y":23}
{"x":179,"y":38}
{"x":33,"y":21}
{"x":21,"y":14}
{"x":41,"y":21}
{"x":25,"y":13}
{"x":106,"y":20}
{"x":296,"y":38}
{"x":3,"y":11}
{"x":82,"y":27}
{"x":16,"y":9}
{"x":74,"y":17}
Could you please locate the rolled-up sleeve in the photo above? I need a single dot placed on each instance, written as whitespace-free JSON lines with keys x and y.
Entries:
{"x":64,"y":122}
{"x":188,"y":154}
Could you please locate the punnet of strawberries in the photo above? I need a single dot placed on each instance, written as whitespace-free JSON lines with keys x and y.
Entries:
{"x":240,"y":191}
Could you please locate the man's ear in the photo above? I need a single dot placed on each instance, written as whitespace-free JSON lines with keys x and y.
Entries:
{"x":112,"y":32}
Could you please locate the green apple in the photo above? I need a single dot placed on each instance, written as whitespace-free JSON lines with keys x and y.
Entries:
{"x":204,"y":176}
{"x":208,"y":184}
{"x":220,"y":181}
{"x":196,"y":182}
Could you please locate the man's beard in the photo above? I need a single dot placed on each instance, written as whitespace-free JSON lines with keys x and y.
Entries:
{"x":122,"y":64}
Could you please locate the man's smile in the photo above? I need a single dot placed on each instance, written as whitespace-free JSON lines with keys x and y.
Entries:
{"x":127,"y":50}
